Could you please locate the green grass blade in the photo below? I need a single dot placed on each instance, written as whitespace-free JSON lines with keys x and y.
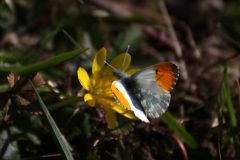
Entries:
{"x":59,"y":140}
{"x":49,"y":36}
{"x":228,"y":100}
{"x":238,"y":84}
{"x":179,"y":130}
{"x":74,"y":42}
{"x":50,"y":62}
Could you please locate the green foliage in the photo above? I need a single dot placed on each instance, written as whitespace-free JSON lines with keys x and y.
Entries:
{"x":227,"y":100}
{"x":228,"y":121}
{"x":28,"y":69}
{"x":56,"y":134}
{"x":51,"y":37}
{"x":179,"y":130}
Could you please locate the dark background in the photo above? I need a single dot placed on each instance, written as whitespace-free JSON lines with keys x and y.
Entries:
{"x":205,"y":101}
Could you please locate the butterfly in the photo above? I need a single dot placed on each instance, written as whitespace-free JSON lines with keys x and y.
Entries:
{"x":147,"y":92}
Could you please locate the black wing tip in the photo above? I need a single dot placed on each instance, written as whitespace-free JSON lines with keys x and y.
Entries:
{"x":176,"y":73}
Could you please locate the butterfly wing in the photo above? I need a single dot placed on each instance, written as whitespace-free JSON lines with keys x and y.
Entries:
{"x":153,"y":86}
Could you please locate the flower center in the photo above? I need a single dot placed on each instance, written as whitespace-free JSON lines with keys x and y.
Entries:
{"x":102,"y":86}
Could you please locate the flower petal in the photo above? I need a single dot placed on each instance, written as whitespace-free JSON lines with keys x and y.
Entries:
{"x":110,"y":118}
{"x":88,"y":98}
{"x":98,"y":61}
{"x":132,"y":71}
{"x":121,"y":62}
{"x":102,"y":85}
{"x":111,"y":104}
{"x":83,"y":78}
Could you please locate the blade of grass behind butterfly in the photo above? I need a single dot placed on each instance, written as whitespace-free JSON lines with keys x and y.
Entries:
{"x":179,"y":130}
{"x":50,"y":62}
{"x":74,"y":42}
{"x":56,"y":134}
{"x":231,"y":113}
{"x":228,"y":100}
{"x":238,"y":135}
{"x":238,"y":84}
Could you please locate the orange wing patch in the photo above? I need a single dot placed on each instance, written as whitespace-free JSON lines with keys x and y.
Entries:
{"x":166,"y":75}
{"x":120,"y":97}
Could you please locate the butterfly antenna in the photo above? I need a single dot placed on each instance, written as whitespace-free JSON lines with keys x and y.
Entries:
{"x":114,"y":69}
{"x":116,"y":72}
{"x":128,"y":47}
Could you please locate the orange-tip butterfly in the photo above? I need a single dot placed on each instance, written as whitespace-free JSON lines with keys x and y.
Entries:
{"x":147,"y":92}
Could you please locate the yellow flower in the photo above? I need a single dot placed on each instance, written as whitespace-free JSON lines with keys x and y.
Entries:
{"x":98,"y":86}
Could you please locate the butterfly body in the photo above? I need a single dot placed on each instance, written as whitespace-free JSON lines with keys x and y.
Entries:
{"x":147,"y":92}
{"x":124,"y":91}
